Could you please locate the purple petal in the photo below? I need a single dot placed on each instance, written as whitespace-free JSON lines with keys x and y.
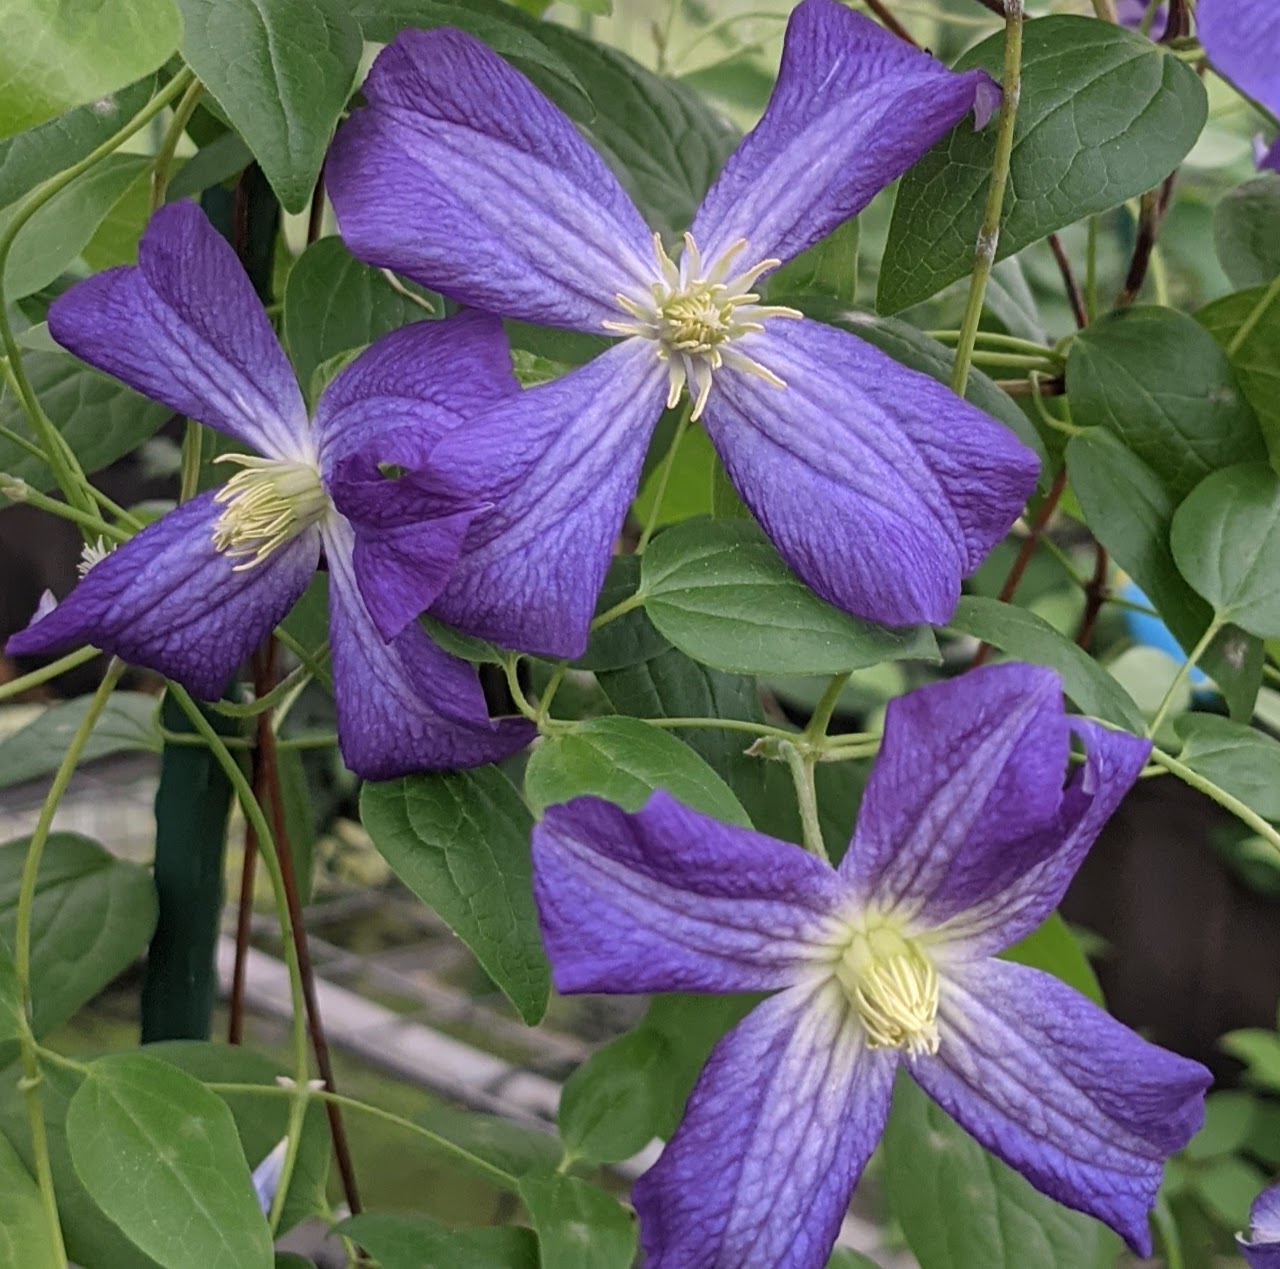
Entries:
{"x":410,"y":387}
{"x":1001,"y":898}
{"x":775,"y":1135}
{"x":853,"y":108}
{"x":168,"y":600}
{"x":1266,"y":157}
{"x":913,"y":484}
{"x":185,"y":328}
{"x":1086,"y":1110}
{"x":666,"y":899}
{"x":561,"y":463}
{"x":402,"y":570}
{"x":1262,"y":1248}
{"x":462,"y":175}
{"x":406,"y":705}
{"x":965,"y":827}
{"x":1242,"y":39}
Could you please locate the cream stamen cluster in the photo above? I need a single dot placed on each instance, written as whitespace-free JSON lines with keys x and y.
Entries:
{"x":893,"y":987}
{"x":266,"y":504}
{"x":695,"y":314}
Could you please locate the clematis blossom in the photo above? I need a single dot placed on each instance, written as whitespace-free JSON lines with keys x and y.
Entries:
{"x":966,"y":840}
{"x":879,"y":487}
{"x":1261,"y":1249}
{"x":194,"y":593}
{"x":1242,"y":40}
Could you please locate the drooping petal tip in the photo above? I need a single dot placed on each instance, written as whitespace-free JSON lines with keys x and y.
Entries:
{"x":1261,"y":1249}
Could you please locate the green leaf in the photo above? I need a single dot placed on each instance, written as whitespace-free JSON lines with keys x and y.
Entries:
{"x":100,"y":418}
{"x":720,"y":593}
{"x":624,"y":760}
{"x":10,"y":996}
{"x":92,"y":917}
{"x":159,"y":1154}
{"x":32,"y":157}
{"x":507,"y":1146}
{"x":1235,"y":757}
{"x":689,"y":489}
{"x":578,"y":1225}
{"x":460,"y":842}
{"x":663,"y":140}
{"x":626,"y":640}
{"x":1246,"y":231}
{"x":507,"y":32}
{"x":635,"y":1087}
{"x":334,"y":303}
{"x":671,"y":685}
{"x":960,"y":1206}
{"x":1226,"y":542}
{"x":282,"y":71}
{"x":415,"y":1242}
{"x":91,"y":1239}
{"x":1130,"y":510}
{"x":224,"y":157}
{"x":1104,"y":115}
{"x":1228,"y":1120}
{"x":56,"y":56}
{"x":828,"y":269}
{"x":1255,"y":363}
{"x":260,"y":1121}
{"x":1227,"y":1187}
{"x":1158,"y":381}
{"x":1052,"y":947}
{"x":1027,"y":637}
{"x":128,"y":722}
{"x":51,"y":240}
{"x":1259,"y":1050}
{"x":915,"y":350}
{"x":26,"y":1242}
{"x":610,"y":1104}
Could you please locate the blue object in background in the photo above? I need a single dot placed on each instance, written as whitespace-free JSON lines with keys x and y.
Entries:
{"x":1149,"y":631}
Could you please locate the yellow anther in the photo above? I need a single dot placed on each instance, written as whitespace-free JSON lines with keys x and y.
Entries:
{"x":695,"y":314}
{"x":266,"y":505}
{"x":893,"y":986}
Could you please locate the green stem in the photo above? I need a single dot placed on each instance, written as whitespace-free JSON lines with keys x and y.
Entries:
{"x":271,"y":859}
{"x":251,"y":709}
{"x":619,"y":610}
{"x":726,"y":724}
{"x":989,"y":235}
{"x":1015,"y":361}
{"x":314,"y":661}
{"x":807,"y":796}
{"x":505,"y":1179}
{"x":549,"y":692}
{"x":511,"y":668}
{"x":22,"y":949}
{"x":1246,"y":815}
{"x":182,"y":113}
{"x":1047,"y":416}
{"x":17,"y":490}
{"x":1091,"y":270}
{"x":997,"y":340}
{"x":192,"y":447}
{"x":15,"y":687}
{"x":1183,"y":670}
{"x":664,"y":476}
{"x":820,"y":719}
{"x":66,"y":470}
{"x":15,"y":438}
{"x":1258,"y":312}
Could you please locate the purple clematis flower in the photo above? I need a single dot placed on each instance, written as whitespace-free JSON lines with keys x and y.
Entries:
{"x":1242,"y":39}
{"x":965,"y":842}
{"x":878,"y":486}
{"x":194,"y":593}
{"x":1262,"y":1248}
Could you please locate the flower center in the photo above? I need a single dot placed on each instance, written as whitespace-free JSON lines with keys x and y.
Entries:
{"x":266,"y":505}
{"x":893,"y":986}
{"x":695,"y":314}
